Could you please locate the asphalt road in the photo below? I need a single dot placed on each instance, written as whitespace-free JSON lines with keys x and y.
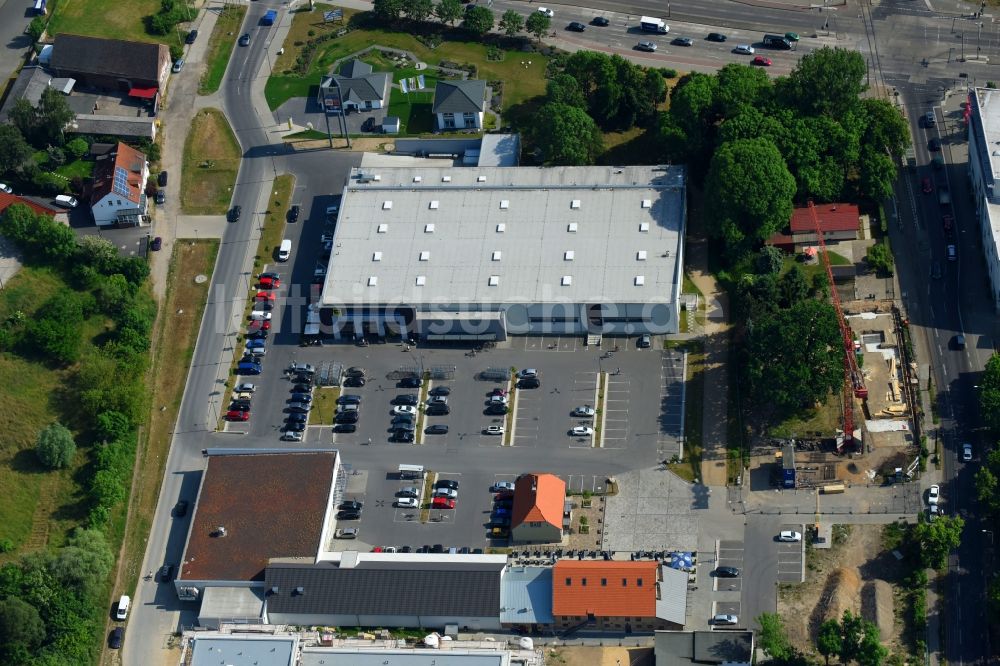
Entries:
{"x":15,"y":15}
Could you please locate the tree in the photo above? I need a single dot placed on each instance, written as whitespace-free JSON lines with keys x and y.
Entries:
{"x":448,"y":11}
{"x":568,"y":136}
{"x":989,"y":393}
{"x":57,"y":328}
{"x":36,"y":28}
{"x":749,"y":192}
{"x":564,"y":89}
{"x":14,"y":150}
{"x":740,"y":86}
{"x":795,"y":355}
{"x":886,"y":127}
{"x":55,"y":446}
{"x":769,"y":260}
{"x":418,"y":10}
{"x":878,"y":173}
{"x":113,"y":294}
{"x":112,"y":425}
{"x":880,"y":258}
{"x":20,"y":624}
{"x":478,"y":20}
{"x":852,"y":629}
{"x":77,"y":148}
{"x":871,"y":652}
{"x":935,"y":539}
{"x":772,"y":638}
{"x":537,"y":24}
{"x":84,"y":563}
{"x":388,"y":10}
{"x":511,"y":22}
{"x":53,"y":115}
{"x":828,"y":81}
{"x":829,"y":641}
{"x":794,"y":287}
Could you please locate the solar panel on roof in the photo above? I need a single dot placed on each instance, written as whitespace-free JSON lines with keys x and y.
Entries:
{"x":120,"y":185}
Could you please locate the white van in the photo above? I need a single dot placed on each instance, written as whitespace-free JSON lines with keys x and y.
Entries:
{"x":123,"y":604}
{"x":67,"y":201}
{"x":285,"y":251}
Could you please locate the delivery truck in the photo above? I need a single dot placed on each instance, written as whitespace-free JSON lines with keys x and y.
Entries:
{"x":269,"y":18}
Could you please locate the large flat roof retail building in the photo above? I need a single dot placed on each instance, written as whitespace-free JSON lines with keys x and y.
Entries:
{"x":480,"y":253}
{"x":984,"y":172}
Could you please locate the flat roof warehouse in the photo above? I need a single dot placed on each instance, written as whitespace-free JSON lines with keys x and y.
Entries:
{"x":505,"y":240}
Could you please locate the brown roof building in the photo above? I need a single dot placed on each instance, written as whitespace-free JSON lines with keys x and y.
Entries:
{"x":838,"y":221}
{"x":137,"y":68}
{"x":255,"y":506}
{"x":539,"y":502}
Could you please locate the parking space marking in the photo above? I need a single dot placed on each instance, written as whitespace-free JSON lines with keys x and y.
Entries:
{"x":673,"y":366}
{"x":551,"y":343}
{"x":583,"y":482}
{"x":615,"y":428}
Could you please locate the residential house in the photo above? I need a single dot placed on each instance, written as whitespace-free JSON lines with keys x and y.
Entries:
{"x":679,"y":648}
{"x":612,"y":595}
{"x":137,"y":68}
{"x":355,"y":88}
{"x":537,"y":515}
{"x":459,"y":104}
{"x":7,"y":200}
{"x":838,"y":221}
{"x":118,"y":196}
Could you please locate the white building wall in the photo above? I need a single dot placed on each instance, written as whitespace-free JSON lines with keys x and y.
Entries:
{"x":984,"y":186}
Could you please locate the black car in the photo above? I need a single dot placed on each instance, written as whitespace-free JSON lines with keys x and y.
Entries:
{"x":529,"y":383}
{"x":437,"y":548}
{"x":406,"y":399}
{"x":161,"y":180}
{"x":161,"y":197}
{"x":234,"y":214}
{"x":354,"y":381}
{"x":156,"y":244}
{"x":351,"y":505}
{"x":242,"y":405}
{"x":191,"y":36}
{"x":496,"y":409}
{"x":576,"y":26}
{"x":683,"y":41}
{"x":437,"y":429}
{"x":934,"y":144}
{"x":302,"y":378}
{"x":181,"y":509}
{"x":349,"y":399}
{"x":259,"y":334}
{"x":404,"y":436}
{"x":446,"y":483}
{"x":348,"y":417}
{"x":406,"y":549}
{"x":601,"y":21}
{"x":438,"y":410}
{"x":345,"y":427}
{"x":440,"y":390}
{"x":297,"y":418}
{"x":166,"y":573}
{"x":368,"y":125}
{"x":301,"y":388}
{"x":116,"y":637}
{"x":245,"y":39}
{"x":355,"y":371}
{"x":301,"y":397}
{"x":727,"y":572}
{"x":295,"y":426}
{"x":348,"y":515}
{"x":411,"y":382}
{"x":716,"y":37}
{"x":293,"y":213}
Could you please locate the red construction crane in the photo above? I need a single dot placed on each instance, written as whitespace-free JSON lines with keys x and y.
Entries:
{"x":853,"y":379}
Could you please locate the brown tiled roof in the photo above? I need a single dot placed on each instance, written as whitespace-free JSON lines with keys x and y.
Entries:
{"x":271,"y":505}
{"x":832,"y":217}
{"x":538,"y":498}
{"x":7,"y":200}
{"x":131,"y":161}
{"x":604,"y":588}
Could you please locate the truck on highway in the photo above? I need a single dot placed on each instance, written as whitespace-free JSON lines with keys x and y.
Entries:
{"x":269,"y":18}
{"x":650,"y":24}
{"x":944,"y":196}
{"x":776,"y":42}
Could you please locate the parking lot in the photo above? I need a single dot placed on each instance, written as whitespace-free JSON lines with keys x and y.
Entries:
{"x":791,"y":556}
{"x":730,"y":555}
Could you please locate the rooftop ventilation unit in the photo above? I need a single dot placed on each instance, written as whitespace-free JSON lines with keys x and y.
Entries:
{"x":644,"y":226}
{"x":387,"y":205}
{"x":640,"y":280}
{"x":220,"y":531}
{"x":373,"y":281}
{"x":428,"y":228}
{"x":421,"y":280}
{"x":445,"y":179}
{"x":574,"y":204}
{"x":568,"y":255}
{"x":647,"y":203}
{"x":494,"y":280}
{"x":425,"y":255}
{"x":501,"y":228}
{"x":567,"y":280}
{"x":480,"y":179}
{"x":368,"y":177}
{"x":383,"y":228}
{"x":496,"y":255}
{"x":640,"y":255}
{"x":434,"y":205}
{"x":300,"y":590}
{"x":376,"y":256}
{"x":417,"y":179}
{"x":571,"y":227}
{"x":504,"y":204}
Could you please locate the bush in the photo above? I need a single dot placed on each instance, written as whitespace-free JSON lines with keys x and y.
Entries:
{"x":176,"y":51}
{"x":668,"y":72}
{"x":55,"y":447}
{"x":56,"y":155}
{"x":36,"y":28}
{"x":48,"y":183}
{"x":77,"y":148}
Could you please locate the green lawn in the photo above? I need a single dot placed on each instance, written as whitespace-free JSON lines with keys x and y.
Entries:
{"x":82,"y":168}
{"x":121,"y":20}
{"x":211,"y":161}
{"x":220,"y":47}
{"x":522,"y":82}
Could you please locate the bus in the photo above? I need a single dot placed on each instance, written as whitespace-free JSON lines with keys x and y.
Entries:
{"x":411,"y":471}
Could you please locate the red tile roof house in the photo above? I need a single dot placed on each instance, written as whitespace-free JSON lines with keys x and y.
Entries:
{"x":611,"y":595}
{"x":7,"y":200}
{"x":118,"y":196}
{"x":537,"y":515}
{"x":839,"y":221}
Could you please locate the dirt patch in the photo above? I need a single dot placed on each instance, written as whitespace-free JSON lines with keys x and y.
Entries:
{"x":599,"y":656}
{"x":854,"y":574}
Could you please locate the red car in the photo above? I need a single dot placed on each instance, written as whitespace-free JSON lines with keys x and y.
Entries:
{"x":237,"y":415}
{"x":269,"y":280}
{"x":442,"y":503}
{"x":256,"y":326}
{"x":265,"y":296}
{"x":926,"y":185}
{"x":498,"y":391}
{"x":761,"y":60}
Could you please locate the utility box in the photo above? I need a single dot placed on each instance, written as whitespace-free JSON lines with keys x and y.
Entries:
{"x":788,"y":466}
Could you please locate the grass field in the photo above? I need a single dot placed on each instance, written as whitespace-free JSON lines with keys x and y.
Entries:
{"x":324,"y":405}
{"x":175,"y":336}
{"x":211,"y":162}
{"x":819,"y":421}
{"x":521,"y":82}
{"x":220,"y":47}
{"x":94,"y":18}
{"x":36,"y":506}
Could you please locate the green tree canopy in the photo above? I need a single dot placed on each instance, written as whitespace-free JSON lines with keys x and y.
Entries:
{"x":511,"y":22}
{"x":568,"y":136}
{"x":828,"y":81}
{"x":418,"y":10}
{"x":537,"y":24}
{"x":57,"y":329}
{"x":564,"y":89}
{"x":740,"y":86}
{"x":880,"y":258}
{"x":478,"y":20}
{"x":794,"y":286}
{"x":989,"y":395}
{"x":829,"y":642}
{"x":14,"y":150}
{"x":448,"y":11}
{"x":748,"y":193}
{"x":21,"y":628}
{"x":795,"y":356}
{"x":886,"y":127}
{"x":388,"y":10}
{"x":618,"y":93}
{"x":55,"y":446}
{"x":773,"y":638}
{"x":937,"y":538}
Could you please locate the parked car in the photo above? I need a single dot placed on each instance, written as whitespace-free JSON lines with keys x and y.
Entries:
{"x":437,"y":429}
{"x":293,"y":213}
{"x":161,"y":180}
{"x":407,"y":503}
{"x":581,"y":431}
{"x":584,"y":410}
{"x":368,"y":125}
{"x":447,"y":483}
{"x":260,"y":315}
{"x":576,"y":26}
{"x":725,"y":619}
{"x":156,"y":244}
{"x":354,"y":382}
{"x":349,"y":399}
{"x":116,"y":637}
{"x":966,"y":452}
{"x":437,"y":400}
{"x":437,"y":410}
{"x":4,"y":187}
{"x":351,"y":505}
{"x":166,"y":573}
{"x":268,"y":281}
{"x":645,"y":341}
{"x":348,"y":417}
{"x":529,"y":383}
{"x":237,"y":415}
{"x":411,"y":382}
{"x":348,"y":515}
{"x":446,"y":492}
{"x":406,"y":399}
{"x":442,"y":503}
{"x":160,"y":197}
{"x":248,"y":368}
{"x":299,"y":407}
{"x":404,"y":409}
{"x":191,"y":36}
{"x":353,"y":371}
{"x":934,"y":494}
{"x":245,"y":39}
{"x":346,"y":533}
{"x":727,"y":572}
{"x":178,"y":65}
{"x":494,"y":430}
{"x":501,"y":486}
{"x":789,"y":536}
{"x":291,"y":436}
{"x":345,"y":427}
{"x":546,"y":11}
{"x":181,"y":508}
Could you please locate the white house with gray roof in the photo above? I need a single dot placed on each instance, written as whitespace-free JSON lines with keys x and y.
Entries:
{"x":355,"y":88}
{"x":480,"y":253}
{"x":459,"y":104}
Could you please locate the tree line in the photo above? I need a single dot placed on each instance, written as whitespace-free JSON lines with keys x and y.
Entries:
{"x":49,"y":613}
